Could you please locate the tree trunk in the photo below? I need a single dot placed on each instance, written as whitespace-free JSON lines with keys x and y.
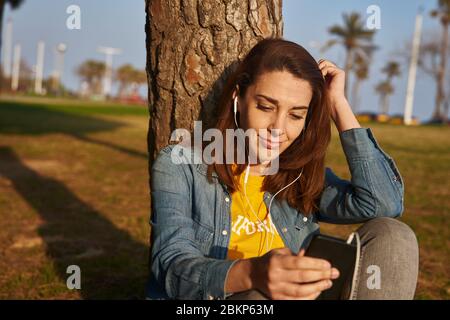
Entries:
{"x":355,"y":94}
{"x":191,"y":48}
{"x":348,"y":68}
{"x":440,"y":91}
{"x":2,"y":9}
{"x":385,"y":104}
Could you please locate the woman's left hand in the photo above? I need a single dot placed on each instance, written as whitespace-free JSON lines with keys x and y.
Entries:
{"x":341,"y":112}
{"x":335,"y":81}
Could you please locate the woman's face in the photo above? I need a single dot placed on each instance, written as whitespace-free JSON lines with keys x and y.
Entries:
{"x":275,"y":106}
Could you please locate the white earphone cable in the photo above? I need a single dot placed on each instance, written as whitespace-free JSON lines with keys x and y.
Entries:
{"x":235,"y":111}
{"x":358,"y":254}
{"x":250,"y":206}
{"x":273,"y":197}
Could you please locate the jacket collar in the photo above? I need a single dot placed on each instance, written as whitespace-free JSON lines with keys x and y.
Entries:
{"x":203,"y":169}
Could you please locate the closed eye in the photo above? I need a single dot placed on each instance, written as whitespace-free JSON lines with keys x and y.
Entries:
{"x":296,"y":117}
{"x":264,"y":108}
{"x":267,"y":109}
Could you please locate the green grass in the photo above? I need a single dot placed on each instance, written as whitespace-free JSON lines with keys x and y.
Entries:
{"x":74,"y":190}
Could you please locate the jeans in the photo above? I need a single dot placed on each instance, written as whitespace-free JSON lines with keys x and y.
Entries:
{"x":389,"y":245}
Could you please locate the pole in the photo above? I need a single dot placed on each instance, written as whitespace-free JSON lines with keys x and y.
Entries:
{"x":407,"y":116}
{"x":39,"y":67}
{"x":16,"y":68}
{"x":59,"y":66}
{"x":107,"y":80}
{"x":8,"y":49}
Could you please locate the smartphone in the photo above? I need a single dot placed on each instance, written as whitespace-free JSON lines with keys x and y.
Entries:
{"x":341,"y":256}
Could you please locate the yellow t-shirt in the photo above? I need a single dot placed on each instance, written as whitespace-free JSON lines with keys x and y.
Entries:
{"x":249,"y":238}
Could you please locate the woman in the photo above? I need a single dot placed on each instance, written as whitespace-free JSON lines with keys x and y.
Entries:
{"x":228,"y":230}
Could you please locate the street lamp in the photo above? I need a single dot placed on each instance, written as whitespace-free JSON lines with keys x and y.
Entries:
{"x":61,"y":49}
{"x":107,"y":80}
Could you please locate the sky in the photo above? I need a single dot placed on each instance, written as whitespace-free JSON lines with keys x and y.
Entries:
{"x":121,"y":24}
{"x":111,"y":23}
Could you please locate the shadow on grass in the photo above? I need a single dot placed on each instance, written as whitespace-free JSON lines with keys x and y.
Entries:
{"x":37,"y":119}
{"x":113,"y":265}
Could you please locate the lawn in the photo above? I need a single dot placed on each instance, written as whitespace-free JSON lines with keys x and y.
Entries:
{"x":74,"y":190}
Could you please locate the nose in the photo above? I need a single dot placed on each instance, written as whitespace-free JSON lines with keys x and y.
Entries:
{"x":277,"y":127}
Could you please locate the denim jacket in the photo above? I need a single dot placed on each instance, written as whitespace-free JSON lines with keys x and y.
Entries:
{"x":191,"y":217}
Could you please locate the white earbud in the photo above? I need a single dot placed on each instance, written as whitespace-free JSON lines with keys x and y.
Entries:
{"x":235,"y":111}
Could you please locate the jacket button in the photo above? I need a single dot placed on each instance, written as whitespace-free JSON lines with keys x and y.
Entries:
{"x":210,"y":297}
{"x":224,"y":232}
{"x":284,"y":230}
{"x":305,"y":219}
{"x":227,"y":199}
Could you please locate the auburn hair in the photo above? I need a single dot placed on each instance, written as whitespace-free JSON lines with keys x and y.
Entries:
{"x":307,"y":151}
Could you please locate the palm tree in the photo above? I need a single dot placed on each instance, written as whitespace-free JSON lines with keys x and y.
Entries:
{"x":392,"y":69}
{"x":139,"y":78}
{"x":361,"y":70}
{"x":384,"y":89}
{"x":14,"y":5}
{"x":442,"y":13}
{"x":447,"y":99}
{"x":92,"y":72}
{"x":124,"y":74}
{"x":354,"y":37}
{"x":128,"y":76}
{"x":430,"y":53}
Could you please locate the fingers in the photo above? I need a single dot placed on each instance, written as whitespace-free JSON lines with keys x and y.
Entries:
{"x":302,"y":262}
{"x":306,"y":290}
{"x":309,"y":297}
{"x":283,"y":251}
{"x":330,"y":70}
{"x":305,"y":276}
{"x":323,"y":62}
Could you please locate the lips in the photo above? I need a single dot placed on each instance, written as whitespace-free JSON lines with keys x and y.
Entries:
{"x":269,"y":143}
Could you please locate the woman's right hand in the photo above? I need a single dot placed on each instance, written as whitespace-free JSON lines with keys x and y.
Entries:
{"x":280,"y":274}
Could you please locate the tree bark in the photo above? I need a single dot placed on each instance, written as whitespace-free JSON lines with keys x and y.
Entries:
{"x":192,"y":45}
